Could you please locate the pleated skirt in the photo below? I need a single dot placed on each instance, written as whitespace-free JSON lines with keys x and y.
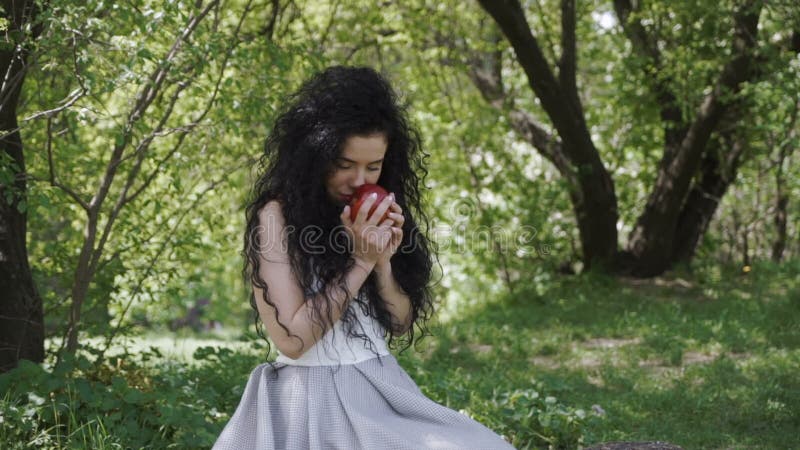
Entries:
{"x":366,"y":405}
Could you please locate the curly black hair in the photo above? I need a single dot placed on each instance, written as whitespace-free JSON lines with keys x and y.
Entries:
{"x":308,"y":135}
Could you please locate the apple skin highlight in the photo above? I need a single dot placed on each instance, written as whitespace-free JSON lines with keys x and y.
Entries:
{"x":361,"y":195}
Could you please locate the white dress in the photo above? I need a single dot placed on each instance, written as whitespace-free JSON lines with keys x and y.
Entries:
{"x":336,"y":347}
{"x":346,"y":398}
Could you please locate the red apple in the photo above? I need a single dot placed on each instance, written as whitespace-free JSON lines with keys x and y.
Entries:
{"x":361,"y":195}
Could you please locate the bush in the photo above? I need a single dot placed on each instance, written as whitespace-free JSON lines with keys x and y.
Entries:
{"x":541,"y":421}
{"x":121,"y":403}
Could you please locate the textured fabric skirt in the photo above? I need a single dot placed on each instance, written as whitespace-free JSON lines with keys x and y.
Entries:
{"x":353,"y":406}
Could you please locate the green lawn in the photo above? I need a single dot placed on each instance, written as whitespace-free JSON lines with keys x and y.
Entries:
{"x":708,"y":361}
{"x":711,"y":361}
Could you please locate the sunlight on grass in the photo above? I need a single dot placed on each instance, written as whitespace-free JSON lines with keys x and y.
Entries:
{"x":658,"y":356}
{"x":180,"y":347}
{"x":588,"y":359}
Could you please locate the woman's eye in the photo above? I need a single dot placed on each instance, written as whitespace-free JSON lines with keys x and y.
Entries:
{"x":371,"y":169}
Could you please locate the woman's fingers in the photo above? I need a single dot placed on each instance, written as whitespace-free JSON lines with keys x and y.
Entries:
{"x":363,"y":210}
{"x":397,"y":214}
{"x":383,"y":206}
{"x":399,"y":219}
{"x":345,"y":216}
{"x":373,"y":237}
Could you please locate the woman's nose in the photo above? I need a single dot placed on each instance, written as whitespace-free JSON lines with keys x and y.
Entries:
{"x":359,"y":179}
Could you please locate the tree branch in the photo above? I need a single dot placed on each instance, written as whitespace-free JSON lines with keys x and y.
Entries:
{"x":145,"y":97}
{"x":331,"y":20}
{"x":73,"y":97}
{"x":52,"y":172}
{"x":547,"y":144}
{"x":734,"y":73}
{"x":141,"y":153}
{"x":567,"y":62}
{"x":548,"y":32}
{"x":566,"y":118}
{"x":141,"y":149}
{"x":89,"y":255}
{"x":137,"y":289}
{"x":486,"y":70}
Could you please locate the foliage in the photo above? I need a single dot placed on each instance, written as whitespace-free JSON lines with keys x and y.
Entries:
{"x":540,"y":421}
{"x":521,"y":410}
{"x":591,"y":361}
{"x":146,"y":400}
{"x":501,"y":213}
{"x":716,"y":345}
{"x":132,"y":401}
{"x":190,"y":167}
{"x":655,"y":358}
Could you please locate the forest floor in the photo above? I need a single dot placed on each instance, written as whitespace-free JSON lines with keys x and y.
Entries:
{"x":708,"y":360}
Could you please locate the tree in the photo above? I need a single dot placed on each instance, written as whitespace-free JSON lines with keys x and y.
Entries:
{"x":21,"y":316}
{"x":785,"y":147}
{"x":677,"y":211}
{"x":118,"y":174}
{"x":574,"y":154}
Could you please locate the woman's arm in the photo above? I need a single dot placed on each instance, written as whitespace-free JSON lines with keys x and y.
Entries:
{"x":286,"y":293}
{"x":310,"y":331}
{"x":398,"y":303}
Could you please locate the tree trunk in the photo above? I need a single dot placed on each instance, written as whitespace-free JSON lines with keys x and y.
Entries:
{"x":591,"y":187}
{"x":781,"y":193}
{"x":80,"y":287}
{"x":717,"y":172}
{"x":779,"y":244}
{"x":679,"y":208}
{"x":21,"y":315}
{"x":746,"y":246}
{"x":655,"y":234}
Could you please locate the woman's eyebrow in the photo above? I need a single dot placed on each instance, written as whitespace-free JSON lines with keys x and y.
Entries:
{"x":351,"y":161}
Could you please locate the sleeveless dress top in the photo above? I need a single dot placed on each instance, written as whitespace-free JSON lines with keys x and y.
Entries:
{"x":336,"y":347}
{"x":374,"y":404}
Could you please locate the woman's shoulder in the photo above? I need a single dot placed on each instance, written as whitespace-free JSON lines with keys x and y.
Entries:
{"x":271,"y":211}
{"x":271,"y":230}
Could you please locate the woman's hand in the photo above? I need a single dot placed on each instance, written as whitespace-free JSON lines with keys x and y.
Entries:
{"x":397,"y":217}
{"x":370,"y":239}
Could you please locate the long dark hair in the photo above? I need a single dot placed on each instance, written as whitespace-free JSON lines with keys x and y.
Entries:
{"x":307,"y":136}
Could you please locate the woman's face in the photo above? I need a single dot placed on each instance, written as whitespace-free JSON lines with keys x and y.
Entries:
{"x":360,"y":162}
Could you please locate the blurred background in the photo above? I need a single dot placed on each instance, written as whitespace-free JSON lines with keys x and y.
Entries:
{"x":613,"y":189}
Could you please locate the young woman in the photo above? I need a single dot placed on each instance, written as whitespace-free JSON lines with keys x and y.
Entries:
{"x":329,"y":287}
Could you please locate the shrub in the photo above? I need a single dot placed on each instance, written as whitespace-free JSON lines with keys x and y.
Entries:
{"x":120,"y":403}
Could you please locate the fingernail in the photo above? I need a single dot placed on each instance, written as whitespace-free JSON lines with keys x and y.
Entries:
{"x":373,"y":195}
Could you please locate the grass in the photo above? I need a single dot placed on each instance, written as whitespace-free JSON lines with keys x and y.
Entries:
{"x":703,"y":362}
{"x":180,"y":347}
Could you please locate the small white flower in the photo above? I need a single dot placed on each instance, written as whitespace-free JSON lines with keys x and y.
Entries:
{"x":598,"y":410}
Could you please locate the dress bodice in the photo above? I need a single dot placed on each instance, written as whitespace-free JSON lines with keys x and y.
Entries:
{"x":336,"y":347}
